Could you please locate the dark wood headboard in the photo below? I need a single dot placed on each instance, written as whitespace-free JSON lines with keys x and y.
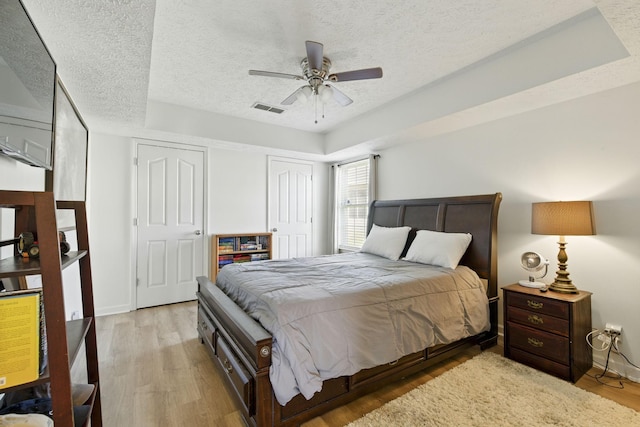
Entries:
{"x":477,"y":215}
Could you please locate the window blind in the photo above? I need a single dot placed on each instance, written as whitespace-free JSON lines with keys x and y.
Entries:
{"x":352,"y":204}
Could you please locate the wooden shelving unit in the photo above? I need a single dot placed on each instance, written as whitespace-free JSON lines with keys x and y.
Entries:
{"x":233,"y":248}
{"x":36,"y":212}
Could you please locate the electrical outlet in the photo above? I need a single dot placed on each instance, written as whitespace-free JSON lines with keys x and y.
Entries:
{"x":605,"y":338}
{"x":611,"y":328}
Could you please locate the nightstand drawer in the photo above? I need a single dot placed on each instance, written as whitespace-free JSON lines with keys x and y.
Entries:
{"x":539,"y":321}
{"x":539,"y":304}
{"x":540,"y":343}
{"x":546,"y":365}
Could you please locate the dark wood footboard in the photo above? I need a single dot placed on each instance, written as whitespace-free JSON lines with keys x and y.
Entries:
{"x":241,"y":348}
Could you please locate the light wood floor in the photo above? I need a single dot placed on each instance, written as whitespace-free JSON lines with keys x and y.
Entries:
{"x":154,"y":372}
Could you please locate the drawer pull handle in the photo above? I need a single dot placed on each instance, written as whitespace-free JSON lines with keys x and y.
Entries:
{"x":395,"y":362}
{"x":534,"y":304}
{"x":227,"y":366}
{"x":535,"y":342}
{"x":536,"y":320}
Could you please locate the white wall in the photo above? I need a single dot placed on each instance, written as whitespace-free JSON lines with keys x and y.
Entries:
{"x":110,"y":211}
{"x":237,"y":202}
{"x":586,"y":149}
{"x":15,"y":175}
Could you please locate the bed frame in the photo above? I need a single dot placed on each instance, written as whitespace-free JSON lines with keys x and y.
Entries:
{"x":241,"y":348}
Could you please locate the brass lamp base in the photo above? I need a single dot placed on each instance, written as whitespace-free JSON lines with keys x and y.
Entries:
{"x":565,"y":288}
{"x":562,"y":283}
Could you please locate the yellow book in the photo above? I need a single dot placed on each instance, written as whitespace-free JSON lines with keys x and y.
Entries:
{"x":19,"y":337}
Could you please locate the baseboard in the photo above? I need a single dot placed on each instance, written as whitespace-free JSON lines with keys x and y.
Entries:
{"x":617,"y":364}
{"x":114,"y":309}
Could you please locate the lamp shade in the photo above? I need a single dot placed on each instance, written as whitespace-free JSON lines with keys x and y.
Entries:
{"x":563,"y":218}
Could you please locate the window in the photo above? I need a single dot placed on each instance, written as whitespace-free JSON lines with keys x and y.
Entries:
{"x":352,"y":204}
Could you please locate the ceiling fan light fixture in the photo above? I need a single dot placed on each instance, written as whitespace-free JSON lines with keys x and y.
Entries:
{"x":326,"y":93}
{"x":304,"y":94}
{"x":315,"y":70}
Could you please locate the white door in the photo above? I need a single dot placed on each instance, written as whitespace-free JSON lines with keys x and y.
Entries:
{"x":170,"y":224}
{"x":290,"y":208}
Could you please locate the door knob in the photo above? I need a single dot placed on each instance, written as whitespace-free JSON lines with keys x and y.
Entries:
{"x":274,"y":230}
{"x":198,"y":232}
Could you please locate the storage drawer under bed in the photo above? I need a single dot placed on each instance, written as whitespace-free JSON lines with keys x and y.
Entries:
{"x":238,"y":375}
{"x":206,"y":330}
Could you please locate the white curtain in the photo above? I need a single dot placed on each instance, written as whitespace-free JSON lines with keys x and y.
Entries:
{"x":373,"y":177}
{"x":333,"y":226}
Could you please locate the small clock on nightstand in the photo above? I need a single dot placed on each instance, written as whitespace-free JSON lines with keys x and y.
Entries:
{"x":547,"y":331}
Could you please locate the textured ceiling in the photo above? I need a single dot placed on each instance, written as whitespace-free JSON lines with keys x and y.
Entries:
{"x":115,"y":56}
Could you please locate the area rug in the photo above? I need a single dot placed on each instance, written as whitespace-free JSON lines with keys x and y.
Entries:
{"x":490,"y":390}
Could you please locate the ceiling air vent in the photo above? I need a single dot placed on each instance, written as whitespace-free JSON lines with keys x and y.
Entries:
{"x":265,"y":107}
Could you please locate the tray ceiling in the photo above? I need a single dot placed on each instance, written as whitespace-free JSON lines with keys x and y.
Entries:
{"x":117,"y":57}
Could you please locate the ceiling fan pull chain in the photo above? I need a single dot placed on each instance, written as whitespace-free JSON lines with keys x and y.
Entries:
{"x":315,"y":100}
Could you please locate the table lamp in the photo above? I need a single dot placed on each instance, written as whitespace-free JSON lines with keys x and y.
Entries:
{"x":563,"y":219}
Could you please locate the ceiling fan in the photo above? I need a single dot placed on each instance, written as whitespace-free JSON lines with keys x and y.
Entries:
{"x":315,"y":70}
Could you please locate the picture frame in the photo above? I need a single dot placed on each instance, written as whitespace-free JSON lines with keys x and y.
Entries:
{"x":68,"y":178}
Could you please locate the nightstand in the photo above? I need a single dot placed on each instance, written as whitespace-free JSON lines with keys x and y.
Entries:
{"x":547,"y":330}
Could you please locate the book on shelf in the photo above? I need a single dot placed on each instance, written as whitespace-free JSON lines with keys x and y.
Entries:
{"x":224,"y":260}
{"x":241,"y":258}
{"x":263,"y":242}
{"x":20,"y":344}
{"x":226,"y":244}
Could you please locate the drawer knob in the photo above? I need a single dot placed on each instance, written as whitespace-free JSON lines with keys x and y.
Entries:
{"x":534,"y":304}
{"x":265,"y":351}
{"x":536,"y":320}
{"x":535,"y":342}
{"x":227,"y":366}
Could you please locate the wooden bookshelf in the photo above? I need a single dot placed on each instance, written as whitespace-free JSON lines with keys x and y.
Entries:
{"x":235,"y":248}
{"x":36,"y":212}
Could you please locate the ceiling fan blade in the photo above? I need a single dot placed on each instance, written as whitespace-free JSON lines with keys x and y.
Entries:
{"x":272,"y":74}
{"x":292,"y":98}
{"x":314,"y":54}
{"x":340,"y":97}
{"x":364,"y":74}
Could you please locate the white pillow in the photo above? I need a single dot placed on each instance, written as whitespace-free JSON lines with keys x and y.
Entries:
{"x":386,"y":242}
{"x":437,"y":248}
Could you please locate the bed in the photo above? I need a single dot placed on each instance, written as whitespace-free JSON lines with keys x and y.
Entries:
{"x":243,"y":349}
